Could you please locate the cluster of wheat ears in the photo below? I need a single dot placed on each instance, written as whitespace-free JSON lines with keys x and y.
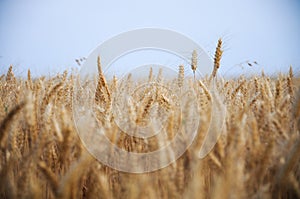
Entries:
{"x":256,"y":156}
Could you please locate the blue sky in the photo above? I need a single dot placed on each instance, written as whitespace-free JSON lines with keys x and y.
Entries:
{"x":47,"y":36}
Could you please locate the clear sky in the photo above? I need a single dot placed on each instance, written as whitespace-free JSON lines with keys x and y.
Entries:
{"x":47,"y":36}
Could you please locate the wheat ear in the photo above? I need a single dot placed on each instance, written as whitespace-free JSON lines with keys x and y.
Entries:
{"x":217,"y":59}
{"x":194,"y":62}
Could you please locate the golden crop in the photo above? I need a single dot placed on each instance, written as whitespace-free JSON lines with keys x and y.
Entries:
{"x":256,"y":156}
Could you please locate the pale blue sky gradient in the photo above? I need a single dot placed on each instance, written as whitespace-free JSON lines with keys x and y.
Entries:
{"x":47,"y":36}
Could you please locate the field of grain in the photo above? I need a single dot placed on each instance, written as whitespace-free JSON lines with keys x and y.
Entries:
{"x":256,"y":156}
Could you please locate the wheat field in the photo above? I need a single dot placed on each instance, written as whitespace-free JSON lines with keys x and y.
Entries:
{"x":256,"y":156}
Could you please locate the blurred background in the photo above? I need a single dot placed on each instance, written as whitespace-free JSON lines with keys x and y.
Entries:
{"x":51,"y":36}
